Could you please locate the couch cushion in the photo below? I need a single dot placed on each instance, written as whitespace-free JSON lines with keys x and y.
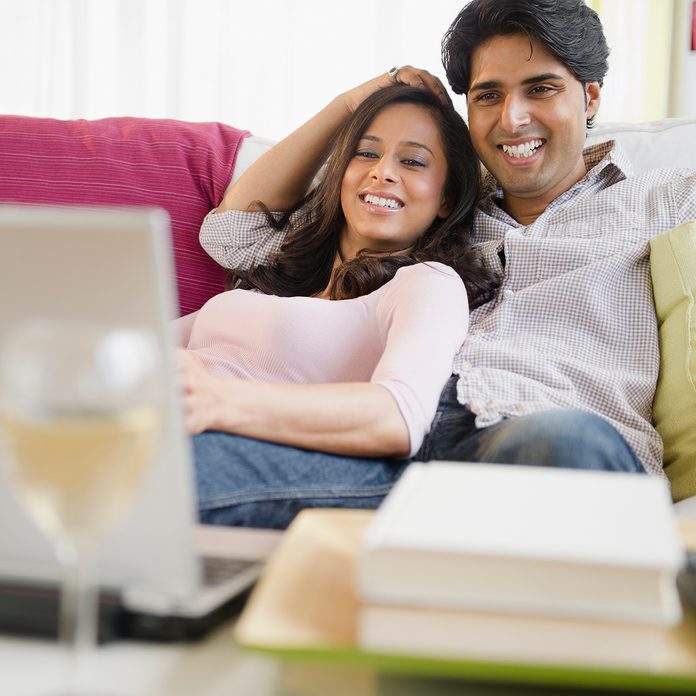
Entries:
{"x":673,"y":268}
{"x":665,"y":143}
{"x":181,"y":167}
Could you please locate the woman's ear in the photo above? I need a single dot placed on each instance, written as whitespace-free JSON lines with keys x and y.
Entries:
{"x":445,"y":208}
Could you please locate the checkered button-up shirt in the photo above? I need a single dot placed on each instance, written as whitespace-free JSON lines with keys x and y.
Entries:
{"x":573,"y":325}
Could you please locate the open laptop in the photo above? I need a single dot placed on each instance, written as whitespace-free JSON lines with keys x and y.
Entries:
{"x":114,"y":266}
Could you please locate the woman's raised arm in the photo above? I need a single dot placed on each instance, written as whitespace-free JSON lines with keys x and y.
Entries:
{"x":283,"y":175}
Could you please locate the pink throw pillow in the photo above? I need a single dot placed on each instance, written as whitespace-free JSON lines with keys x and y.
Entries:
{"x":179,"y":166}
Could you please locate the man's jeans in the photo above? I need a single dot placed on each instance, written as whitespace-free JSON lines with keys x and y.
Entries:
{"x":245,"y":482}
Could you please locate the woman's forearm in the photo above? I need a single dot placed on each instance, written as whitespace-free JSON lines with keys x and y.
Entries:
{"x":283,"y":175}
{"x":355,"y":419}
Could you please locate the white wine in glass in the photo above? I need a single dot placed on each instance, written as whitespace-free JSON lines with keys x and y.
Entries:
{"x":79,"y":409}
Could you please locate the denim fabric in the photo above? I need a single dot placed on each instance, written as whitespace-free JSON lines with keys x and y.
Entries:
{"x":250,"y":483}
{"x":563,"y":438}
{"x":245,"y":482}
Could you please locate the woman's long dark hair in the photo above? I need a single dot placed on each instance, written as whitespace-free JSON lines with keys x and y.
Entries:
{"x":304,"y":265}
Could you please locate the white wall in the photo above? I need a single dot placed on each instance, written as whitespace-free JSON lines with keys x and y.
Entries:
{"x":683,"y":82}
{"x":652,"y":72}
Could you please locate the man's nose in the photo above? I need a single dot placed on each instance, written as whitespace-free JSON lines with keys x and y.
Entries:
{"x":515,"y":114}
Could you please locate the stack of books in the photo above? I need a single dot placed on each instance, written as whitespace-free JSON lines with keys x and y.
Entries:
{"x":521,"y":564}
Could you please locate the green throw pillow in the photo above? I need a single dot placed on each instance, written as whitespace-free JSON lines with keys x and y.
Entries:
{"x":673,"y":269}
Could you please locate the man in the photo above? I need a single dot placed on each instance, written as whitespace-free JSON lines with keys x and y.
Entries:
{"x":560,"y":369}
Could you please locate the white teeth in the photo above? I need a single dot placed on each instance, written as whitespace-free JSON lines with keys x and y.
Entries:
{"x":522,"y":150}
{"x":382,"y":202}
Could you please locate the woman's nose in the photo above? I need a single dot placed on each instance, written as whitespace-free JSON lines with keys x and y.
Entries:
{"x":384,"y":169}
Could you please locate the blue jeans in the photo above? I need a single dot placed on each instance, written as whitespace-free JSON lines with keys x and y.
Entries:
{"x":245,"y":482}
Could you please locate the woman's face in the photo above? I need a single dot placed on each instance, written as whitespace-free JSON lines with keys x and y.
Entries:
{"x":393,"y":187}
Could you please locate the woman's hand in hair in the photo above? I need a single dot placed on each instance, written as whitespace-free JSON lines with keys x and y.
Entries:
{"x":283,"y":175}
{"x":407,"y":75}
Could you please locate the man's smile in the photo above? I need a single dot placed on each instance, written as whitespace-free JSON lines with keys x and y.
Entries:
{"x":524,"y":149}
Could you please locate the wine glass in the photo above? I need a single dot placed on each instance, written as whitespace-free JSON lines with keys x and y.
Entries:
{"x":79,"y":407}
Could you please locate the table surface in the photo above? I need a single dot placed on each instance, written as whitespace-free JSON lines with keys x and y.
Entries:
{"x":216,"y":666}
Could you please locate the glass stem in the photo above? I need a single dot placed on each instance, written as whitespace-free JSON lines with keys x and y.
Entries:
{"x":77,"y":628}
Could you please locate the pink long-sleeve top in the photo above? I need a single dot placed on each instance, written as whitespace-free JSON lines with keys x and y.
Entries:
{"x":403,"y":336}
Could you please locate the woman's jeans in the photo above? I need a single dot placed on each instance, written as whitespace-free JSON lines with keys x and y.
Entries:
{"x":245,"y":482}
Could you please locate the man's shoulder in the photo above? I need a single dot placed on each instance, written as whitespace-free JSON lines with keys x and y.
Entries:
{"x":611,"y":173}
{"x":665,"y":175}
{"x":668,"y":185}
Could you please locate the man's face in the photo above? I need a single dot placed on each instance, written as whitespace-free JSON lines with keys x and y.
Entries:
{"x":527,"y":115}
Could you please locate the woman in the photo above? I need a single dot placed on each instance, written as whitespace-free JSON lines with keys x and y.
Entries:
{"x":351,"y":339}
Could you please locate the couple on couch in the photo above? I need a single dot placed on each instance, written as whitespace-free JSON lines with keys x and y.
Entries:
{"x":531,"y":289}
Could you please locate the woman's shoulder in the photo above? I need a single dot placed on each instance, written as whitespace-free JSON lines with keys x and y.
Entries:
{"x":430,"y":290}
{"x":426,"y":270}
{"x":429,"y":280}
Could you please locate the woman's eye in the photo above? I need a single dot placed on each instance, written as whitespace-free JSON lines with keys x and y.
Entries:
{"x":413,"y":163}
{"x":367,"y":154}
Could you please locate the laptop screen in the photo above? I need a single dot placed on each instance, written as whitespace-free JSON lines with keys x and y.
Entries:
{"x":108,"y":266}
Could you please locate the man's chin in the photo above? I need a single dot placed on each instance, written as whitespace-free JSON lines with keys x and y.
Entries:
{"x":521,"y":187}
{"x":518,"y":178}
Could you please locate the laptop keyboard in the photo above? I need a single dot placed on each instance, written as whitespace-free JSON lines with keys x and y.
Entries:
{"x":217,"y":569}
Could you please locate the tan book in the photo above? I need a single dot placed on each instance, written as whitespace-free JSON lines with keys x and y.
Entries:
{"x":508,"y":638}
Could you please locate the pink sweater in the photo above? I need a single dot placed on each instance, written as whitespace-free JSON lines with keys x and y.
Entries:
{"x":403,"y":336}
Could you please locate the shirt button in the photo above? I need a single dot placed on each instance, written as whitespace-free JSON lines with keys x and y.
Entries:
{"x":507,"y":294}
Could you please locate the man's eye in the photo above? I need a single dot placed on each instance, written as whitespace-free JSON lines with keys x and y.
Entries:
{"x":486,"y":97}
{"x":542,"y":89}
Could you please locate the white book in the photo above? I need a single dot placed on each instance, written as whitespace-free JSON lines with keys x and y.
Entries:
{"x":458,"y":634}
{"x":532,"y":540}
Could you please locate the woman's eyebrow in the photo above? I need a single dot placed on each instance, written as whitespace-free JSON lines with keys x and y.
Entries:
{"x":408,"y":143}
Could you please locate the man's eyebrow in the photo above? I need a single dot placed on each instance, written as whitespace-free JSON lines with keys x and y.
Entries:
{"x":542,"y":78}
{"x":489,"y":84}
{"x":408,"y":143}
{"x":493,"y":84}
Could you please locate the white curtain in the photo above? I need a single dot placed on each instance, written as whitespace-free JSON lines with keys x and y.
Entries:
{"x":264,"y":65}
{"x":652,"y":71}
{"x":267,"y":65}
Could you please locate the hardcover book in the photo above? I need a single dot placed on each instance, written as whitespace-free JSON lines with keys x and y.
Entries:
{"x":528,"y":540}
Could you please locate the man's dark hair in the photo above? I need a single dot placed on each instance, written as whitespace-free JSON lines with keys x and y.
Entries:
{"x":569,"y":29}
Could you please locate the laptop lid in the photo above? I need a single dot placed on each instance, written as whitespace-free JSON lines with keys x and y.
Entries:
{"x":111,"y":266}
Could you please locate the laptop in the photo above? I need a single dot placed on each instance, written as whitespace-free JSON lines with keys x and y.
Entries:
{"x":162,"y":575}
